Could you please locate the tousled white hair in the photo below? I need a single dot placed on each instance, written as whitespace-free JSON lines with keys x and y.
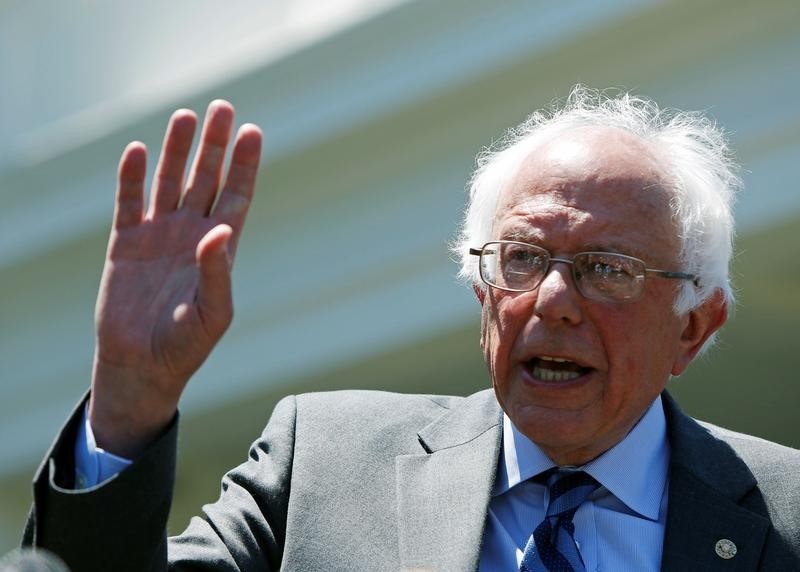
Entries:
{"x":701,"y":175}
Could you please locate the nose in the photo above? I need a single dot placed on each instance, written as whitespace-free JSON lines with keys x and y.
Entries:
{"x":558,"y":299}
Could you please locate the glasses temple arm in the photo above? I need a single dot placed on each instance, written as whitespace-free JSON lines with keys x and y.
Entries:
{"x":480,"y":251}
{"x":675,"y":275}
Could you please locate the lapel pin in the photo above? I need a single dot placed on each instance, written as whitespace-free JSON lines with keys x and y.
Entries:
{"x":725,"y":548}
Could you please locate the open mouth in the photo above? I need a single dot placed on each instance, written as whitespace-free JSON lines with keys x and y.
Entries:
{"x":555,"y":369}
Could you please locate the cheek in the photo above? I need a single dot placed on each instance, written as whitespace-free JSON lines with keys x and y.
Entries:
{"x":629,"y":349}
{"x":496,"y":336}
{"x":639,"y":346}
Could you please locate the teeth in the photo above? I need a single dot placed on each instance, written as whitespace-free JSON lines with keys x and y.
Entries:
{"x":554,"y":375}
{"x":555,"y":359}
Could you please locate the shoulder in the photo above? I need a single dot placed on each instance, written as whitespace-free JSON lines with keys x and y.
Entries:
{"x":771,"y":463}
{"x":754,"y":448}
{"x":381,"y":420}
{"x":708,"y":448}
{"x":353,"y":399}
{"x":371,"y":410}
{"x":379,"y":406}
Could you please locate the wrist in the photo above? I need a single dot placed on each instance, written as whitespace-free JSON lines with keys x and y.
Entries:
{"x":126,"y":413}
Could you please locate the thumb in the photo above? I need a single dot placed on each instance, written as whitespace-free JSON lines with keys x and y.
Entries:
{"x":214,"y":298}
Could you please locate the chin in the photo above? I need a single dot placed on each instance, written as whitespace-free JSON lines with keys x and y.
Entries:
{"x":552,"y":427}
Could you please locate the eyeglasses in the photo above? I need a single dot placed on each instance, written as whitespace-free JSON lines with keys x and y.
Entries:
{"x":604,"y":276}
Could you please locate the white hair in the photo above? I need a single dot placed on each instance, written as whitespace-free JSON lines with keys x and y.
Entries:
{"x":701,"y":175}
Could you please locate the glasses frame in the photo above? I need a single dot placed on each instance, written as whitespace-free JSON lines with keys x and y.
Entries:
{"x":669,"y":274}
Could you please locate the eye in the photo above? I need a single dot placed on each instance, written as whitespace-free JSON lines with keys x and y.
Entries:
{"x":611,"y":270}
{"x":519,"y":255}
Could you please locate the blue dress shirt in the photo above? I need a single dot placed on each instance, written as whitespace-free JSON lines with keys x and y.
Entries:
{"x":93,"y":465}
{"x":620,"y":527}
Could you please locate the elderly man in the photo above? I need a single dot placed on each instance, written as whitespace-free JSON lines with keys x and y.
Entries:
{"x":597,"y":240}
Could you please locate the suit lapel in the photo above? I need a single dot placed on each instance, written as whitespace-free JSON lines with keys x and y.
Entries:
{"x":443,"y":492}
{"x":707,"y":482}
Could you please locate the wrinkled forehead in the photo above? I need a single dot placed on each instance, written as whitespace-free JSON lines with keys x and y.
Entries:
{"x":591,"y":168}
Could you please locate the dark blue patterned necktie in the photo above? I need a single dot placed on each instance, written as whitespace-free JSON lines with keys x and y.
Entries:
{"x":552,"y":547}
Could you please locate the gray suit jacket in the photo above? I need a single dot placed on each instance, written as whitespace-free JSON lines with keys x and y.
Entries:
{"x":377,"y":481}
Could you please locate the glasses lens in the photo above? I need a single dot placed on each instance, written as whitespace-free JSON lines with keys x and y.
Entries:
{"x":513,"y":265}
{"x":614,"y":277}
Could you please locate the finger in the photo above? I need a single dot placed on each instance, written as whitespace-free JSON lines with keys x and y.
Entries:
{"x":130,"y":186}
{"x":214,"y":299}
{"x":236,"y":196}
{"x":168,"y":181}
{"x":206,"y":171}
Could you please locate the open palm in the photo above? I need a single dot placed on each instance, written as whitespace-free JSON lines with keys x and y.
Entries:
{"x":165,"y":295}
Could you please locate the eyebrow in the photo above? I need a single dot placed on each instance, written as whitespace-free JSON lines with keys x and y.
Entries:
{"x":521,"y":234}
{"x":526,"y":235}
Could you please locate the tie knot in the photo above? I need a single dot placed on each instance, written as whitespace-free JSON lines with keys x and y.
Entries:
{"x":568,"y":489}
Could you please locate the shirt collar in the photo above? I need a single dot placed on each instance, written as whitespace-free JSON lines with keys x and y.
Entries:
{"x":634,"y":470}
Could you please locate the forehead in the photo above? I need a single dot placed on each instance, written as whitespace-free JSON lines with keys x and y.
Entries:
{"x":590,"y":187}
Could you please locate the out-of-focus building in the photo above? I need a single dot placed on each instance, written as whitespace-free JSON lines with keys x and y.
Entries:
{"x":373,"y":111}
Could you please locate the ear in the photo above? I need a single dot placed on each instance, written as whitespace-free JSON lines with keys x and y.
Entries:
{"x":701,"y":323}
{"x":480,"y":293}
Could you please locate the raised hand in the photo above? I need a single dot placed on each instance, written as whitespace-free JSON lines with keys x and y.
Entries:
{"x":165,"y":295}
